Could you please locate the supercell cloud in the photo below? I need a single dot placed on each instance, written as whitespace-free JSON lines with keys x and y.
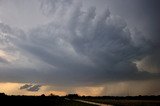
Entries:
{"x":64,"y":43}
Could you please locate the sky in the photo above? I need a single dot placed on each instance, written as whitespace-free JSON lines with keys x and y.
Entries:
{"x":89,"y":47}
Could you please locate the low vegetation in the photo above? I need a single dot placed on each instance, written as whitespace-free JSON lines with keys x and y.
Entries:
{"x":70,"y":100}
{"x":38,"y":101}
{"x":126,"y":101}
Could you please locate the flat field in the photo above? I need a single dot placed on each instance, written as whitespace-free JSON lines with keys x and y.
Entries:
{"x":39,"y":101}
{"x":125,"y":102}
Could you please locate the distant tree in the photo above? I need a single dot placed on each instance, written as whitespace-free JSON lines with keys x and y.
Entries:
{"x":51,"y":94}
{"x":43,"y":95}
{"x":2,"y":94}
{"x":72,"y":96}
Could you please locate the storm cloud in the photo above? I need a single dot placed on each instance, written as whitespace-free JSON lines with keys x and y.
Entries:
{"x":75,"y":46}
{"x":146,"y":13}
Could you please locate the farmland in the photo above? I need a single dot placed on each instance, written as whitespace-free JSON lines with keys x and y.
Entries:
{"x":126,"y":101}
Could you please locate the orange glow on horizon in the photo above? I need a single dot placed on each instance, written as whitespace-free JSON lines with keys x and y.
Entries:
{"x":89,"y":91}
{"x":14,"y":89}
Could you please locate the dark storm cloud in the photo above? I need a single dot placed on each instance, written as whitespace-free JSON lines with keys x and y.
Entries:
{"x":144,"y":12}
{"x":147,"y":13}
{"x":149,"y":16}
{"x":153,"y":28}
{"x":80,"y":47}
{"x":144,"y":15}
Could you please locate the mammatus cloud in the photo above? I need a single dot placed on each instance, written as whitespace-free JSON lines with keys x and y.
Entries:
{"x":76,"y":47}
{"x":30,"y":87}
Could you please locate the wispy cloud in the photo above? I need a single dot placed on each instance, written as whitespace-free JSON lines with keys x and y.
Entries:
{"x":31,"y":87}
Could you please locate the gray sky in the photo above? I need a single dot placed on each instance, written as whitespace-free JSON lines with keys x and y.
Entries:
{"x":76,"y":44}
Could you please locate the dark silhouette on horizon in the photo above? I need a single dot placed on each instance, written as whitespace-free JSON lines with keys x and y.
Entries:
{"x":69,"y":100}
